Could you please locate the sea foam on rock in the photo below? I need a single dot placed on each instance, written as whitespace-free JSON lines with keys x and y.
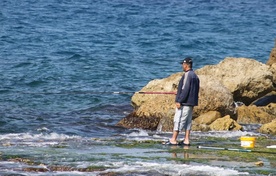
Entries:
{"x":232,"y":80}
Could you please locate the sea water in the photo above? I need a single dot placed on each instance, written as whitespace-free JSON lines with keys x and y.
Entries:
{"x":53,"y":53}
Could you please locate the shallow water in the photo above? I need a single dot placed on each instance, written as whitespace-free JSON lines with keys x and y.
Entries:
{"x":74,"y":155}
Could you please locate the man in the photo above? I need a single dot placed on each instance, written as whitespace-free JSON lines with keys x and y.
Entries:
{"x":186,"y":99}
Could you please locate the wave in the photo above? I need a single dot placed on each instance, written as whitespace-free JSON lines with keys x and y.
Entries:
{"x":174,"y":169}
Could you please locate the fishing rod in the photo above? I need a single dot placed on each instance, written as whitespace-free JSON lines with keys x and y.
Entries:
{"x":140,"y":92}
{"x":95,"y":92}
{"x":233,"y":149}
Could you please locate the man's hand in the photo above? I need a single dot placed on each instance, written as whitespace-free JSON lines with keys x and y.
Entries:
{"x":178,"y":105}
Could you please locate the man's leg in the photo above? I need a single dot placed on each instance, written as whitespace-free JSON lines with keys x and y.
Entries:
{"x":188,"y":124}
{"x":177,"y":125}
{"x":187,"y":137}
{"x":173,"y":140}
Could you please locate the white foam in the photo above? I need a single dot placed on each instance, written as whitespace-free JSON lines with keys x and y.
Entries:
{"x":38,"y":140}
{"x":43,"y":129}
{"x":225,"y":134}
{"x":173,"y":169}
{"x":271,"y":146}
{"x":139,"y":133}
{"x":28,"y":136}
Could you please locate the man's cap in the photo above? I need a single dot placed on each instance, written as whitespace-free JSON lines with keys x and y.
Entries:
{"x":187,"y":60}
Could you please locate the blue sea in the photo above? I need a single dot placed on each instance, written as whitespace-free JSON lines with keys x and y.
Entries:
{"x":61,"y":60}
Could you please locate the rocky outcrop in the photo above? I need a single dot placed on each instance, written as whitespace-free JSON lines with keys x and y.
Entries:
{"x":168,"y":84}
{"x":213,"y":96}
{"x":254,"y":114}
{"x":202,"y":122}
{"x":272,"y":68}
{"x":247,"y":79}
{"x":221,"y":87}
{"x":272,"y":57}
{"x":272,"y":63}
{"x":270,"y":109}
{"x":269,"y":128}
{"x":208,"y":118}
{"x":225,"y":124}
{"x":159,"y":108}
{"x":135,"y":121}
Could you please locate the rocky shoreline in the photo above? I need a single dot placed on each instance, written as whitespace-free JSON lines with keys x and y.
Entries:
{"x":236,"y":91}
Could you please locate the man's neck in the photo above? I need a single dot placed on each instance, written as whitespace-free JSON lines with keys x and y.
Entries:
{"x":188,"y":69}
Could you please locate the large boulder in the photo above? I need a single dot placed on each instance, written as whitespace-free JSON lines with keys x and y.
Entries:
{"x":272,"y":63}
{"x":202,"y":122}
{"x":225,"y":124}
{"x":207,"y":118}
{"x":149,"y":109}
{"x":270,"y":109}
{"x":247,"y":79}
{"x":244,"y":79}
{"x":254,"y":114}
{"x":272,"y":68}
{"x":165,"y":85}
{"x":214,"y":99}
{"x":213,"y":96}
{"x":272,"y":57}
{"x":269,"y":128}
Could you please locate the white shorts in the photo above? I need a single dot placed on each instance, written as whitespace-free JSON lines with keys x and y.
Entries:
{"x":183,"y":118}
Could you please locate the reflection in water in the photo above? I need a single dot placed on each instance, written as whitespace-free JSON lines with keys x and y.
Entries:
{"x":185,"y":153}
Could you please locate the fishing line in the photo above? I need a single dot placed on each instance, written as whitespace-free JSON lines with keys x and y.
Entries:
{"x":94,"y":92}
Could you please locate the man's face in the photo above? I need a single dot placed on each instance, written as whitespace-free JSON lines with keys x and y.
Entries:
{"x":184,"y":66}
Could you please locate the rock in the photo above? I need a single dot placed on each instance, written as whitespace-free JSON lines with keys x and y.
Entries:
{"x":259,"y":163}
{"x":166,"y":122}
{"x":272,"y":68}
{"x":269,"y":128}
{"x":270,"y":109}
{"x":151,"y":108}
{"x":200,"y":127}
{"x":207,"y":118}
{"x":247,"y":79}
{"x":253,"y":114}
{"x":168,"y":84}
{"x":272,"y":57}
{"x":213,"y":96}
{"x":225,"y":124}
{"x":135,"y":121}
